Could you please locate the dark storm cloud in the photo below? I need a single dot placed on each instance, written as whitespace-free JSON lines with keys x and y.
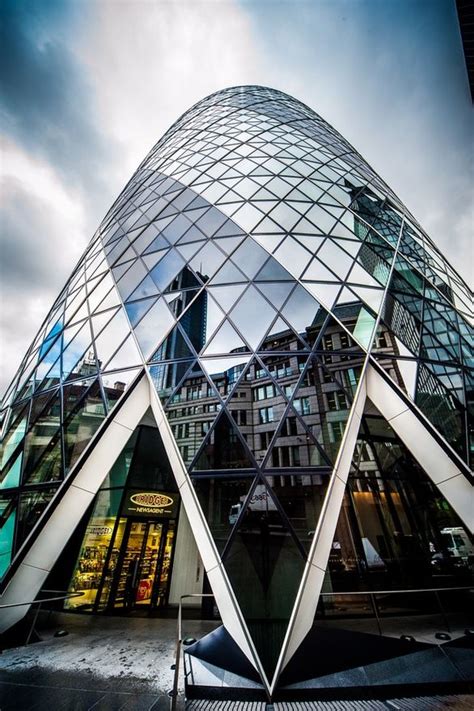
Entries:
{"x":47,"y":106}
{"x":38,"y":250}
{"x":34,"y":249}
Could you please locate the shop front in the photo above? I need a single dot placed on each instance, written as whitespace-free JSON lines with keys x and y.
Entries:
{"x":125,"y":562}
{"x":125,"y":556}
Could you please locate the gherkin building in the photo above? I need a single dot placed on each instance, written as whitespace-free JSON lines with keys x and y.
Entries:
{"x":256,"y":382}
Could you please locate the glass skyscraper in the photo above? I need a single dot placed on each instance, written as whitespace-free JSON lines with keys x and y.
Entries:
{"x":259,"y":368}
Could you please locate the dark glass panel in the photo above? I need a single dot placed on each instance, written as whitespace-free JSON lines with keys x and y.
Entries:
{"x":14,"y":434}
{"x":440,"y":404}
{"x":82,"y":424}
{"x":117,"y":476}
{"x":32,"y":505}
{"x":48,"y":465}
{"x":223,"y":448}
{"x":221,"y":499}
{"x":264,"y":566}
{"x":301,"y":497}
{"x":150,"y":467}
{"x":42,"y":459}
{"x":7,"y":530}
{"x":395,"y":529}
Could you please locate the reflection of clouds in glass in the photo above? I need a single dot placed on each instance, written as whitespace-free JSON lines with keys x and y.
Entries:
{"x":300,"y":310}
{"x":153,"y":327}
{"x":252,"y":315}
{"x":80,"y":341}
{"x":220,"y":366}
{"x":225,"y":340}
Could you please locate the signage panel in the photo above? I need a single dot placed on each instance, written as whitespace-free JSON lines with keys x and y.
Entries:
{"x":151,"y":504}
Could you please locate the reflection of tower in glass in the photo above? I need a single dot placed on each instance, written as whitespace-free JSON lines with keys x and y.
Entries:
{"x":191,"y":310}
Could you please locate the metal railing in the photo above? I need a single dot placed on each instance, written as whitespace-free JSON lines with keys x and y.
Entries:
{"x":179,"y":645}
{"x":371,"y":594}
{"x":62,"y":596}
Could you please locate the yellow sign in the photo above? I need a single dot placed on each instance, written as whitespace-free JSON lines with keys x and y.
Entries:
{"x":156,"y":504}
{"x":152,"y":500}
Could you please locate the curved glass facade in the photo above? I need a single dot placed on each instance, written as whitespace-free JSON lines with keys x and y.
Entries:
{"x":253,"y":266}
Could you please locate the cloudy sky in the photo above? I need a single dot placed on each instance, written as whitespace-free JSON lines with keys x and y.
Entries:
{"x":90,"y":85}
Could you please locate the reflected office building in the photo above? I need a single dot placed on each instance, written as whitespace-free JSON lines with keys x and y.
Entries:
{"x":256,"y":382}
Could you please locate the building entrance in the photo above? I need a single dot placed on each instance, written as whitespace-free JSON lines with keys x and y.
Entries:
{"x":141,"y":576}
{"x":125,"y":560}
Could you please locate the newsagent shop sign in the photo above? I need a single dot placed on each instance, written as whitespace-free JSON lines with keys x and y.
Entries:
{"x":154,"y":504}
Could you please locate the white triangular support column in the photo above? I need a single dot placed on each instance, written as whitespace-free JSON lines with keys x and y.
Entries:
{"x":304,"y":610}
{"x":80,"y":490}
{"x":441,"y":468}
{"x":227,"y":604}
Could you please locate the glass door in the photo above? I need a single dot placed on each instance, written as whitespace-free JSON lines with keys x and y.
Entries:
{"x":149,"y":563}
{"x":163,"y":569}
{"x":141,"y":571}
{"x":129,"y":564}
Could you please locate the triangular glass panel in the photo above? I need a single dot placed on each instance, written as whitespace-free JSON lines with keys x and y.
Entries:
{"x":224,"y":341}
{"x":14,"y":434}
{"x":371,"y":297}
{"x":43,"y":440}
{"x":228,"y":368}
{"x":73,"y":353}
{"x":131,"y":279}
{"x":276,"y":292}
{"x":99,"y":293}
{"x":175,"y":229}
{"x":222,"y":500}
{"x":226,"y":296}
{"x":115,"y":384}
{"x":301,"y":496}
{"x":311,"y":242}
{"x":83,"y":422}
{"x":175,"y":347}
{"x":10,"y":475}
{"x":150,"y":260}
{"x":167,"y":377}
{"x":281,"y":337}
{"x":252,"y":315}
{"x":324,"y":292}
{"x":125,"y":357}
{"x":207,"y":261}
{"x":153,"y":327}
{"x":301,"y":310}
{"x":269,"y":242}
{"x":223,"y":448}
{"x":120,"y":270}
{"x":316,"y":271}
{"x":46,"y":464}
{"x":264,"y":566}
{"x":228,"y":244}
{"x":358,"y":275}
{"x":167,"y":269}
{"x":111,"y":337}
{"x":273,"y":271}
{"x":363,"y":329}
{"x":136,"y":309}
{"x":336,"y":259}
{"x":189,"y":249}
{"x":228,"y":274}
{"x":249,"y":257}
{"x":229,"y":229}
{"x":52,"y":377}
{"x":294,"y":255}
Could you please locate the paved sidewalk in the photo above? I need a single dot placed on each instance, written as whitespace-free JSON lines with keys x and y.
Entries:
{"x":103,"y":663}
{"x":111,"y":663}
